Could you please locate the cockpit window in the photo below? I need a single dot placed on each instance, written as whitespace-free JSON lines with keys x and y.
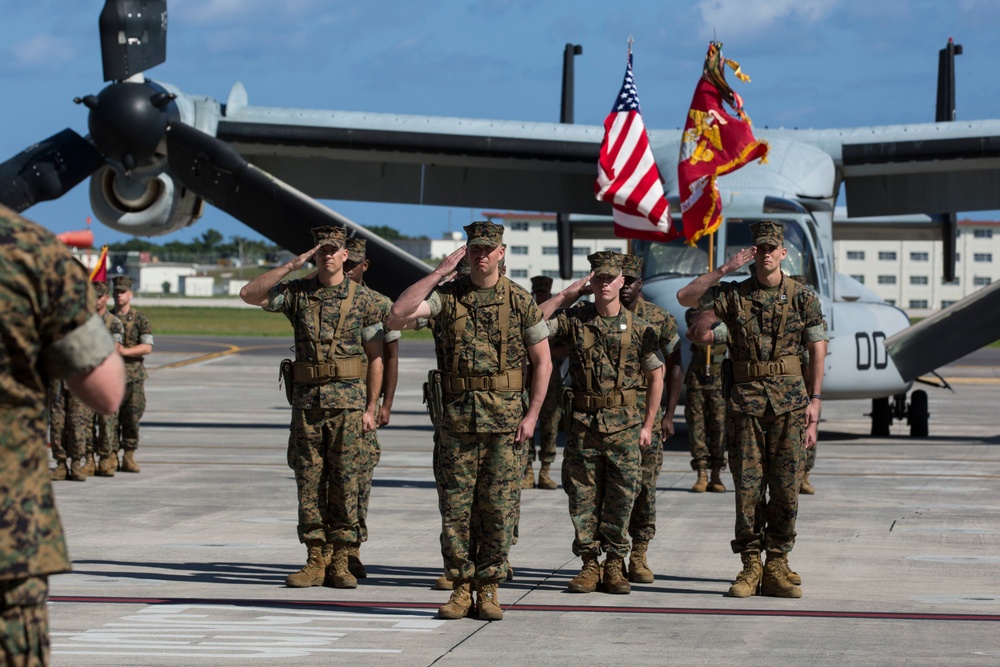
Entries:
{"x":678,"y":258}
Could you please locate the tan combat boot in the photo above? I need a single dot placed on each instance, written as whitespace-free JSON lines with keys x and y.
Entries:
{"x":528,"y":481}
{"x":354,"y":564}
{"x":459,"y":603}
{"x":544,"y":481}
{"x":76,"y":472}
{"x":701,"y":485}
{"x":128,"y":461}
{"x":89,"y":467}
{"x":614,"y":579}
{"x":748,"y":579}
{"x":443,"y":583}
{"x":805,"y":487}
{"x":314,"y":571}
{"x":487,"y":601}
{"x":775,"y":582}
{"x":715,"y":485}
{"x":59,"y":473}
{"x":638,"y":568}
{"x":337,"y":574}
{"x":589,"y":577}
{"x":107,"y":466}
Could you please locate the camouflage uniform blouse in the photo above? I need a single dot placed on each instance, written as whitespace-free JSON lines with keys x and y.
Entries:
{"x":479,"y":349}
{"x":662,"y":321}
{"x":301,"y":301}
{"x":754,"y":339}
{"x":114,"y":327}
{"x":138,"y":331}
{"x":47,"y":332}
{"x":568,"y":326}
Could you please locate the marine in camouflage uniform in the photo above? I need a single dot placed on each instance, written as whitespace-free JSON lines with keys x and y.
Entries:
{"x":611,"y":352}
{"x":355,"y":267}
{"x":550,"y":415}
{"x":106,"y":426}
{"x":49,"y":332}
{"x":137,"y":342}
{"x":770,"y":319}
{"x":334,"y":399}
{"x":642,"y":525}
{"x":705,"y":411}
{"x":485,"y":327}
{"x":72,"y":433}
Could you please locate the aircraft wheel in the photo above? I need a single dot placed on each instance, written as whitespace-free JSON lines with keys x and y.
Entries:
{"x":881,"y":417}
{"x":919,"y":415}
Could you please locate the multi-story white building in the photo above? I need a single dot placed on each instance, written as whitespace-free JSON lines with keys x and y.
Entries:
{"x":533,"y":248}
{"x":909,"y":273}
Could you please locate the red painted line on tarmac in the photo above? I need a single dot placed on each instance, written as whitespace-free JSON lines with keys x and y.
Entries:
{"x":679,"y":611}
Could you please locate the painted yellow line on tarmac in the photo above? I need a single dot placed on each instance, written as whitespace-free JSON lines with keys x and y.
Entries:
{"x":965,"y":380}
{"x":231,"y":349}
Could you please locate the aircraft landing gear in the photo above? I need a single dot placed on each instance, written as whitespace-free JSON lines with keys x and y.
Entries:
{"x":914,"y":412}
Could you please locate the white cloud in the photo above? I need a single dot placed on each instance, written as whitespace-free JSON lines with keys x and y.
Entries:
{"x":43,"y":51}
{"x":229,"y":12}
{"x":731,"y":18}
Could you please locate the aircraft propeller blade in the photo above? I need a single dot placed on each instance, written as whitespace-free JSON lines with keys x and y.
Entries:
{"x":133,"y":36}
{"x":47,"y":170}
{"x":217,"y":172}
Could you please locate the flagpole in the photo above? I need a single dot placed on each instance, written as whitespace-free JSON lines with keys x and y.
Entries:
{"x":711,"y":262}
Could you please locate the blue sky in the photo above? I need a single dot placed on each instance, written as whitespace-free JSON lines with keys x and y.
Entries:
{"x":814,"y":63}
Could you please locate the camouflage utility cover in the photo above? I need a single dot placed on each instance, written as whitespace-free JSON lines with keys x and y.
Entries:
{"x":301,"y":301}
{"x":479,"y":348}
{"x":754,"y":339}
{"x":48,"y":331}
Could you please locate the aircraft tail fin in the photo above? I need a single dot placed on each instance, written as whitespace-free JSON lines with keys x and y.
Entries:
{"x":947,"y":335}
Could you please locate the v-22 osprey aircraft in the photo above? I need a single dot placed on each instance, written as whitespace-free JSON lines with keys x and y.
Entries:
{"x":155,"y":155}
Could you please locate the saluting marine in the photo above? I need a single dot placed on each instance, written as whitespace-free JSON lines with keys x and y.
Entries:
{"x":771,"y":319}
{"x":484,"y":327}
{"x":550,"y":415}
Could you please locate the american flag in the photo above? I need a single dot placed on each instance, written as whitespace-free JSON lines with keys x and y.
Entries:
{"x":627,"y":176}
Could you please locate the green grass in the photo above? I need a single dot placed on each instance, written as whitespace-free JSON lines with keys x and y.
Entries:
{"x":209,"y":321}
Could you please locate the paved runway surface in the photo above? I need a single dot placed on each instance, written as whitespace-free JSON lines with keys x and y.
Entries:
{"x":184,"y":563}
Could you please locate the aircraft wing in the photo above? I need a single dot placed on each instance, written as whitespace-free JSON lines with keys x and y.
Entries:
{"x":947,"y":335}
{"x":917,"y":168}
{"x":421,"y":159}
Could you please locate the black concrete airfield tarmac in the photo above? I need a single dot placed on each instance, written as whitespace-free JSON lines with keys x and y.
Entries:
{"x":184,"y":563}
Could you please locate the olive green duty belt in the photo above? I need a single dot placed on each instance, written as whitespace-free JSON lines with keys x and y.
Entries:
{"x":510,"y":380}
{"x":748,"y":371}
{"x":592,"y":401}
{"x":341,"y":368}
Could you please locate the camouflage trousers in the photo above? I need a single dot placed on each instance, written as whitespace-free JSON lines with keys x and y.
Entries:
{"x":642,"y":524}
{"x":374,"y":450}
{"x":329,"y":455}
{"x":132,"y":408}
{"x":548,"y":431}
{"x":601,"y":474}
{"x":705,"y":414}
{"x":24,"y":631}
{"x":106,"y":434}
{"x":765,"y":456}
{"x":71,"y":425}
{"x":478,"y":479}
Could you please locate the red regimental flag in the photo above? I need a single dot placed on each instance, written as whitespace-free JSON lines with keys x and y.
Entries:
{"x":99,"y":274}
{"x":627,"y":175}
{"x":714,"y":144}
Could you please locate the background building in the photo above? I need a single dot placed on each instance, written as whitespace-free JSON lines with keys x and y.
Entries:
{"x":908,"y":273}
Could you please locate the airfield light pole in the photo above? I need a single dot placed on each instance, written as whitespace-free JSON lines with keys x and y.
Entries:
{"x":563,"y":231}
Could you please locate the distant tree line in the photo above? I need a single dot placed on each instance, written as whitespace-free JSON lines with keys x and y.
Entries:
{"x":211,"y":242}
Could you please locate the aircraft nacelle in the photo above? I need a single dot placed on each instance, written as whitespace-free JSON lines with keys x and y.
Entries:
{"x":153,"y":207}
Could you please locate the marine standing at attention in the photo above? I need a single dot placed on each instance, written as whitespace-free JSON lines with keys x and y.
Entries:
{"x":138,"y":342}
{"x":48,"y":331}
{"x":612,"y":352}
{"x":770,"y":319}
{"x":106,"y":426}
{"x":642,"y":524}
{"x":705,"y":407}
{"x":548,"y":418}
{"x":335,"y":322}
{"x":355,"y":267}
{"x":485,"y":325}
